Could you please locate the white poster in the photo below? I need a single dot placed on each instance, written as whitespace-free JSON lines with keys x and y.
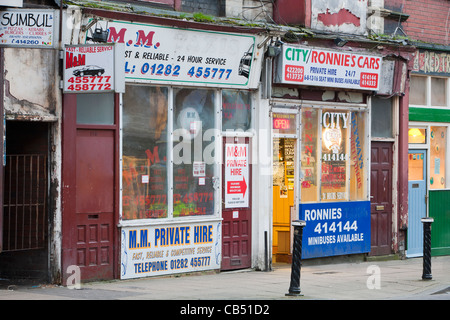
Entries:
{"x":88,"y":68}
{"x":28,"y":28}
{"x":168,"y":249}
{"x":236,"y":175}
{"x":172,"y":56}
{"x":327,"y":68}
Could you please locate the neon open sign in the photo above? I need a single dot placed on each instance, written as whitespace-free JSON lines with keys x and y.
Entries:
{"x":279,"y":123}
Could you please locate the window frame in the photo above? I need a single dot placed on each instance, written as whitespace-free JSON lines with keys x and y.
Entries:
{"x":428,"y":92}
{"x":366,"y":149}
{"x":218,"y":136}
{"x":427,"y":146}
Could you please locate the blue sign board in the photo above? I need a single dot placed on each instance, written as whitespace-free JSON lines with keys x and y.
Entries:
{"x":335,"y":228}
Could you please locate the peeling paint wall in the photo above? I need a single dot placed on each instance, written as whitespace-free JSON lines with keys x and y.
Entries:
{"x":31,"y":84}
{"x":342,"y":16}
{"x":31,"y":93}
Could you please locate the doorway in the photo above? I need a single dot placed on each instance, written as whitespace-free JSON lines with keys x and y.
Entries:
{"x":25,"y":252}
{"x":236,"y":204}
{"x":283,"y":196}
{"x":381,"y":198}
{"x":90,"y":179}
{"x":417,"y":201}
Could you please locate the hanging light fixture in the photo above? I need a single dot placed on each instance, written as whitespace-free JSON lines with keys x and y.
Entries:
{"x":416,"y":135}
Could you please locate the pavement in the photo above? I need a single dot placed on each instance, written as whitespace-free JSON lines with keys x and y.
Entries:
{"x":372,"y":280}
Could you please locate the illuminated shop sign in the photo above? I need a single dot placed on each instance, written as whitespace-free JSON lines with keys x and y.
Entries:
{"x":326,"y":68}
{"x":284,"y":123}
{"x":279,"y":123}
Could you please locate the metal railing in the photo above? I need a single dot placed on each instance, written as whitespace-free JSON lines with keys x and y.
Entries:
{"x":25,"y":202}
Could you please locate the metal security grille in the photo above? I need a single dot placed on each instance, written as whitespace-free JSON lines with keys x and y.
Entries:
{"x":25,"y":202}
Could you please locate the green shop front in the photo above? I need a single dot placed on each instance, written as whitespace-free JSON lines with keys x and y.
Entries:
{"x":428,"y":159}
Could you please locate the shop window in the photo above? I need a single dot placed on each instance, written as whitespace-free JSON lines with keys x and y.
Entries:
{"x":236,"y":110}
{"x":95,"y":108}
{"x":333,"y":155}
{"x":283,"y":164}
{"x":144,"y":165}
{"x":358,"y":157}
{"x":309,"y":154}
{"x":193,"y":152}
{"x":427,"y":91}
{"x":381,"y":118}
{"x":438,"y":92}
{"x":438,"y":142}
{"x":417,"y":135}
{"x":415,"y":166}
{"x":418,"y":91}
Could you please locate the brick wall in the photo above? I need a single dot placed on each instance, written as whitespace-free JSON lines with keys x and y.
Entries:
{"x":429,"y":20}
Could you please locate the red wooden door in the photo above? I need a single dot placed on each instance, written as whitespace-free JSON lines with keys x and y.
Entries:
{"x":94,"y":214}
{"x":89,"y":197}
{"x":236,"y":204}
{"x":381,"y":198}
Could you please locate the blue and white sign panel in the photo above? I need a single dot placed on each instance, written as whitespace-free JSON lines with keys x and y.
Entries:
{"x":335,"y":228}
{"x":157,"y":250}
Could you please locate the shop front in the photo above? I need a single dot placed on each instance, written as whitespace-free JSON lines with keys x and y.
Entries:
{"x":428,"y":144}
{"x":160,"y":150}
{"x":186,"y":134}
{"x":321,"y":151}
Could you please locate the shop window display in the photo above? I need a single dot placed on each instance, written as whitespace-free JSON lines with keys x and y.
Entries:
{"x":144,"y":165}
{"x":310,"y":154}
{"x":438,"y":142}
{"x":193,"y":152}
{"x":338,"y":167}
{"x":236,"y":110}
{"x":169,"y":171}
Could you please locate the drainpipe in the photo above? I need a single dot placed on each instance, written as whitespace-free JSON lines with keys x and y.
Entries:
{"x":402,"y":191}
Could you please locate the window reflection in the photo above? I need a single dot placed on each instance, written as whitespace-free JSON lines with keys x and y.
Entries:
{"x":144,"y":167}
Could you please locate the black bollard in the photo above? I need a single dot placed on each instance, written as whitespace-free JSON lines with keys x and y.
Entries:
{"x":426,"y":273}
{"x":294,"y":287}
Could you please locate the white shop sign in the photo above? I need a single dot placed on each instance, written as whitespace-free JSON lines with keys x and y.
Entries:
{"x":29,"y":28}
{"x":327,"y":68}
{"x":236,"y":175}
{"x":93,"y":68}
{"x":168,"y":249}
{"x":168,"y":55}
